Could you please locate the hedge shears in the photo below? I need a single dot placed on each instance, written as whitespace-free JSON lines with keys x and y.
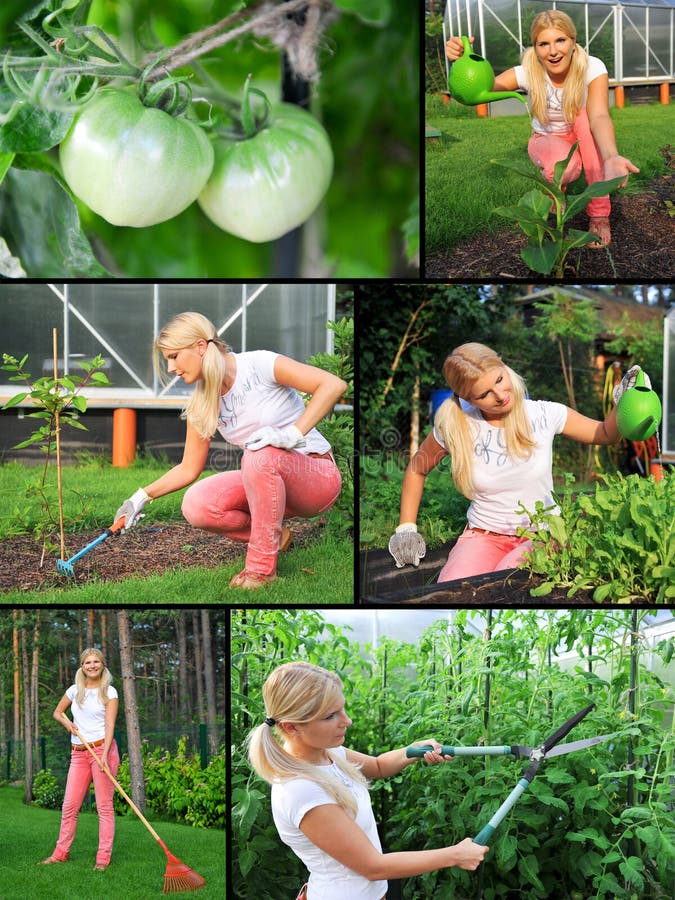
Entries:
{"x":536,"y":755}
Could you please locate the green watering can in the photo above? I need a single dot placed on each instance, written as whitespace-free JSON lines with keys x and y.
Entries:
{"x":471,"y":79}
{"x":638,"y":412}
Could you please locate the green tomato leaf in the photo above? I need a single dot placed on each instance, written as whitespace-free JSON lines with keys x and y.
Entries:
{"x":41,"y":225}
{"x":375,"y":12}
{"x":33,"y":129}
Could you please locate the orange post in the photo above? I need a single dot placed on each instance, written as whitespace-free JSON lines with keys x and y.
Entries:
{"x":656,"y":469}
{"x":664,"y":93}
{"x":124,"y":437}
{"x":619,"y":96}
{"x":482,"y":110}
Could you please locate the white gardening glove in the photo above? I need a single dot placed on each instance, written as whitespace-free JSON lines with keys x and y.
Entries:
{"x":287,"y":438}
{"x":627,"y":383}
{"x":407,"y":546}
{"x":132,"y":508}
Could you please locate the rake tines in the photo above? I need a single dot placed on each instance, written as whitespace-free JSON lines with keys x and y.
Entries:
{"x":179,"y":877}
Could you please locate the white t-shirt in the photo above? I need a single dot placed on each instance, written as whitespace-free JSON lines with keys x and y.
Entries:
{"x":256,"y":399}
{"x":328,"y":879}
{"x":556,"y":123}
{"x":90,"y":717}
{"x":500,"y":482}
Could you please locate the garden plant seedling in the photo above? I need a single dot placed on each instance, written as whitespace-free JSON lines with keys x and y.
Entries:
{"x":549,"y":242}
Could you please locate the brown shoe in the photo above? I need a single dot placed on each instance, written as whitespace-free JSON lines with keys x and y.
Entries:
{"x":251,"y":580}
{"x":286,"y":538}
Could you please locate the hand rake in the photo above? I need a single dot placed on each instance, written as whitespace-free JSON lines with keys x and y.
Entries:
{"x":536,"y":756}
{"x":178,"y":876}
{"x":65,"y":567}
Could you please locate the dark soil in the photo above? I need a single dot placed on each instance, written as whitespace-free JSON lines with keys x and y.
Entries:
{"x":145,"y":550}
{"x":643,"y":245}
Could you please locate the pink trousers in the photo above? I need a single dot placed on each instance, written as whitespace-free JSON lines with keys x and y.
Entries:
{"x":250,"y":504}
{"x":83,"y":770}
{"x":477,"y":552}
{"x":547,"y":149}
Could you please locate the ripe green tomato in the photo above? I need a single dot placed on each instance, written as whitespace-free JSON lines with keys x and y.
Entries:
{"x":132,"y":164}
{"x":268,"y":184}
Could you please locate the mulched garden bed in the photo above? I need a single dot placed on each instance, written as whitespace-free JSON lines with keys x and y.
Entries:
{"x":382,"y":584}
{"x":145,"y":550}
{"x":643,"y":245}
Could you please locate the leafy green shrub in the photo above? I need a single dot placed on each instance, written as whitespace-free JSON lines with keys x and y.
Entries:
{"x":47,"y":792}
{"x":177,"y":787}
{"x":619,"y":541}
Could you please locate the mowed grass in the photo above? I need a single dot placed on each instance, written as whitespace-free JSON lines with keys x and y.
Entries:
{"x":138,"y":863}
{"x":318,"y":573}
{"x":463,"y":187}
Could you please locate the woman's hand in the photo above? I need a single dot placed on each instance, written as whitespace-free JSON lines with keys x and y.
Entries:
{"x":469,"y":855}
{"x":454,"y":48}
{"x":433,"y":757}
{"x":287,"y":438}
{"x":616,"y":166}
{"x":132,"y":509}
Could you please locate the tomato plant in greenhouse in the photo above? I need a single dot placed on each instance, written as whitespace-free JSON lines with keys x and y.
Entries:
{"x":110,"y":115}
{"x":594,"y":823}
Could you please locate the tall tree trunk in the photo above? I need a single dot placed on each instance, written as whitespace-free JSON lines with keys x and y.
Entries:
{"x":198,"y":666}
{"x":209,"y":673}
{"x":90,"y":627}
{"x":183,"y":697}
{"x":131,"y":711}
{"x":27,"y":720}
{"x":17,"y":677}
{"x":34,"y":678}
{"x":415,"y":417}
{"x":104,"y":634}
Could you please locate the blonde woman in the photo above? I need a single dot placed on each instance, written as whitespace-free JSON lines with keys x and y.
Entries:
{"x":93,"y":703}
{"x":569,"y":100}
{"x":320,"y":801}
{"x":501,"y":445}
{"x":252,"y":399}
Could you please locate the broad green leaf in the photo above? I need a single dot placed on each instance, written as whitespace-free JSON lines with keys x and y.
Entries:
{"x":41,"y":224}
{"x":5,"y":162}
{"x":541,"y":259}
{"x":33,"y":129}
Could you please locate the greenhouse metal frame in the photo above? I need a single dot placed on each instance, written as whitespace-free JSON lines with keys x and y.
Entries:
{"x":635,"y":40}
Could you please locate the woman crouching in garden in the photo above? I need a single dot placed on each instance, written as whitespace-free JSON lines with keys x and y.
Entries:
{"x":93,"y":703}
{"x":252,"y":399}
{"x":320,"y":800}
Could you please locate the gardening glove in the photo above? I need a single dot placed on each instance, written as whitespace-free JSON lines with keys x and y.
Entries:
{"x":627,"y":383}
{"x":287,"y":438}
{"x":131,"y":509}
{"x":407,"y":546}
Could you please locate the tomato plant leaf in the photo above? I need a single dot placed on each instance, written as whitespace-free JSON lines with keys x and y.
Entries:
{"x":33,"y":129}
{"x":41,"y":223}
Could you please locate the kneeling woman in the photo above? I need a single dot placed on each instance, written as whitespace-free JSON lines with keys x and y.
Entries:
{"x":320,"y":799}
{"x":93,"y":702}
{"x":252,"y":399}
{"x":501,"y":445}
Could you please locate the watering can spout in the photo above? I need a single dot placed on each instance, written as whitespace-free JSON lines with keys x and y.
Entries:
{"x":472,"y":78}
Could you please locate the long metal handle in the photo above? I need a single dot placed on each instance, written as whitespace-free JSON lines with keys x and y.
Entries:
{"x":500,"y":750}
{"x":488,"y":830}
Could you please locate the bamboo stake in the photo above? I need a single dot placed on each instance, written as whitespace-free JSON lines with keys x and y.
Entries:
{"x":57,"y":423}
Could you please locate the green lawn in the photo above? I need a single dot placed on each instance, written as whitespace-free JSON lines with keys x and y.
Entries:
{"x":463,"y":186}
{"x":320,"y":572}
{"x":138,"y":863}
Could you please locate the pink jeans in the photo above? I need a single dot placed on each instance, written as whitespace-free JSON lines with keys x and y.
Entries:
{"x":477,"y":552}
{"x":547,"y":149}
{"x":250,"y":504}
{"x":83,"y":770}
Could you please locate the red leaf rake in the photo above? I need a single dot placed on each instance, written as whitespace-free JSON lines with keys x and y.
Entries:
{"x":178,"y":876}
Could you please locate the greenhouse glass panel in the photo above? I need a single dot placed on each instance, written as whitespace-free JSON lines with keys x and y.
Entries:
{"x":120,"y":321}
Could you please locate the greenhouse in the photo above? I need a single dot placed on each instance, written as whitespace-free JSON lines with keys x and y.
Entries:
{"x":595,"y":819}
{"x":635,"y":40}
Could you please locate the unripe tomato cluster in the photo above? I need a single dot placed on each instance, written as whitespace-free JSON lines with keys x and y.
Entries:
{"x":137,"y":166}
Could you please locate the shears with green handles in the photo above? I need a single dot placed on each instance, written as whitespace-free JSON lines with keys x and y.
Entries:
{"x":536,"y":755}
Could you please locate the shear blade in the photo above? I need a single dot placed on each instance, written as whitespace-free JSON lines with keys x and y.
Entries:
{"x":571,"y":747}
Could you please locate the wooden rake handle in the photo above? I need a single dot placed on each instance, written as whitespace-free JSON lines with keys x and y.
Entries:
{"x":121,"y":790}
